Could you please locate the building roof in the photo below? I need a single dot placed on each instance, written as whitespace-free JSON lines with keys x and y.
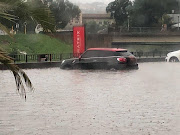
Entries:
{"x":108,"y":49}
{"x":96,"y":16}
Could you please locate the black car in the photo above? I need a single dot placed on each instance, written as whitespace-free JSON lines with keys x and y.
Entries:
{"x":102,"y":58}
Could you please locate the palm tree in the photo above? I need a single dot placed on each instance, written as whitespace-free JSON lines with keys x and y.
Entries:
{"x":40,"y":14}
{"x":19,"y":74}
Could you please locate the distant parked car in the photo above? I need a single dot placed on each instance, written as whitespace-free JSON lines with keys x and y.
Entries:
{"x":102,"y":58}
{"x":173,"y":56}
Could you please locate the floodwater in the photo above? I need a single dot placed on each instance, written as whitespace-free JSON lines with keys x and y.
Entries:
{"x":75,"y":102}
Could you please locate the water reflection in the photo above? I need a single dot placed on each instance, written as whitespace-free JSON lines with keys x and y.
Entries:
{"x":78,"y":102}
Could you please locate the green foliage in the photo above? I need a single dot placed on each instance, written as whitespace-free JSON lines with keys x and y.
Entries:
{"x":165,"y":20}
{"x":34,"y":44}
{"x":42,"y":16}
{"x":119,"y":10}
{"x":147,"y":13}
{"x":32,"y":11}
{"x":92,"y":27}
{"x":143,"y":13}
{"x":64,"y":12}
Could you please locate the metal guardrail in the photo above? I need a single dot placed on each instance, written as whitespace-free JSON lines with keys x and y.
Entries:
{"x":59,"y":57}
{"x":136,"y":29}
{"x":144,"y":29}
{"x":157,"y":54}
{"x":40,"y":57}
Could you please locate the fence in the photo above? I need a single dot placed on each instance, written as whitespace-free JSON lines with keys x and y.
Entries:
{"x":157,"y":54}
{"x":59,"y":57}
{"x":136,"y":30}
{"x":40,"y":57}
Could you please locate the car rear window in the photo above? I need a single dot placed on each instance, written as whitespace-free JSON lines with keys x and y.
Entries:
{"x":123,"y":53}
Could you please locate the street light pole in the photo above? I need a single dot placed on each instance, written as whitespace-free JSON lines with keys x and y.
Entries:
{"x":128,"y":23}
{"x":25,"y":29}
{"x":178,"y":22}
{"x":128,"y":20}
{"x":173,"y":15}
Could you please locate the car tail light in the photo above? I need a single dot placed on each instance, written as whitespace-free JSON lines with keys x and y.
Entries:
{"x":124,"y":60}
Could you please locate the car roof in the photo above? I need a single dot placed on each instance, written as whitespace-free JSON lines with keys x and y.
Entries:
{"x":108,"y":49}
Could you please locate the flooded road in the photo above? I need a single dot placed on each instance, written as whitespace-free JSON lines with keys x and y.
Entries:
{"x":75,"y":102}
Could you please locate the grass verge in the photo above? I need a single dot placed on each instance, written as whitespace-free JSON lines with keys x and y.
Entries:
{"x":34,"y":44}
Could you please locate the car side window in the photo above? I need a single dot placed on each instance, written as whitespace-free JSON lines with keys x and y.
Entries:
{"x":90,"y":53}
{"x":105,"y":53}
{"x":98,"y":53}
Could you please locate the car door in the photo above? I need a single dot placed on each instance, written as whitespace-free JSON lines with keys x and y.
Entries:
{"x":86,"y":60}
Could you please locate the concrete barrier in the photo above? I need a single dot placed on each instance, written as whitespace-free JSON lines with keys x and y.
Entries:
{"x":161,"y":59}
{"x":39,"y":65}
{"x":42,"y":65}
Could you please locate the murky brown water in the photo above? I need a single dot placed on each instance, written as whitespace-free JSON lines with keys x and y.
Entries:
{"x":136,"y":102}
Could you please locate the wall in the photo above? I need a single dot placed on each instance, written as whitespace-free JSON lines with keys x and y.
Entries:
{"x":98,"y":40}
{"x":105,"y":40}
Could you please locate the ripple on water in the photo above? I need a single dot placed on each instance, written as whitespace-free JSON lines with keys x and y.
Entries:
{"x":144,"y":101}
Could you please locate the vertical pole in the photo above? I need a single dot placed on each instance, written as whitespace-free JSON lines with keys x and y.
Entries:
{"x":24,"y":29}
{"x":128,"y":23}
{"x":60,"y":57}
{"x":14,"y":58}
{"x":50,"y":57}
{"x":178,"y":22}
{"x":26,"y":59}
{"x":12,"y":29}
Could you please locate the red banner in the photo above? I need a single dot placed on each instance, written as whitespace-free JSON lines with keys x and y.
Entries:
{"x":78,"y":40}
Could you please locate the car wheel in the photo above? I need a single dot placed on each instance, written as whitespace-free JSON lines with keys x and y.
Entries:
{"x":173,"y":59}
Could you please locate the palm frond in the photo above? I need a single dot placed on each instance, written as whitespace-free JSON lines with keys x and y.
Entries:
{"x":19,"y":75}
{"x":8,"y":4}
{"x":6,"y":14}
{"x":44,"y":16}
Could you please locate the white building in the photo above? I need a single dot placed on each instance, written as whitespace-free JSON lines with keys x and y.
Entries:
{"x":175,"y":18}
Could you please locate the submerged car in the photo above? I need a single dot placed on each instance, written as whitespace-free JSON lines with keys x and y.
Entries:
{"x":173,"y":56}
{"x":102,"y":58}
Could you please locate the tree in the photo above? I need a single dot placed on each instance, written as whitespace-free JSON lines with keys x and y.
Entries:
{"x":92,"y":27}
{"x":146,"y":13}
{"x":38,"y":15}
{"x":119,"y":10}
{"x":34,"y":12}
{"x":142,"y":13}
{"x":64,"y":12}
{"x":166,"y":20}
